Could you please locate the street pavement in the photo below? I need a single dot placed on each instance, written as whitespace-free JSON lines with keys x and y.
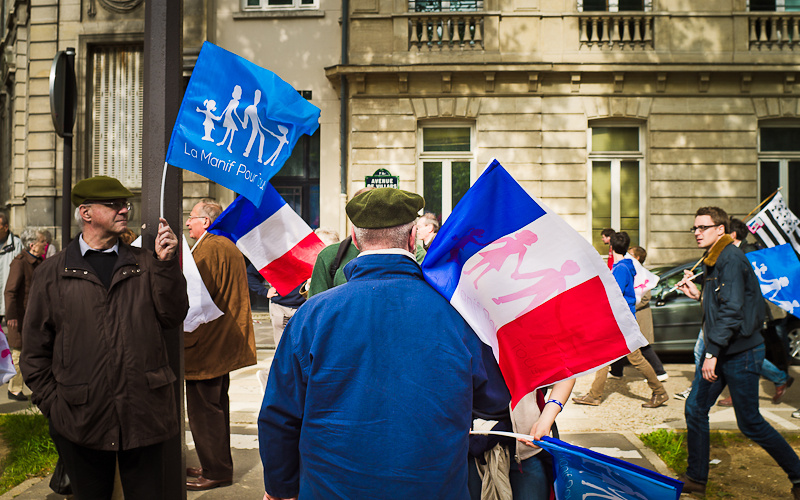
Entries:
{"x":610,"y":428}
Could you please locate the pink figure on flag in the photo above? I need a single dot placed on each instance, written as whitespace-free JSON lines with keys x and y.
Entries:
{"x":471,"y":237}
{"x":496,"y":257}
{"x":551,"y":282}
{"x":643,"y":285}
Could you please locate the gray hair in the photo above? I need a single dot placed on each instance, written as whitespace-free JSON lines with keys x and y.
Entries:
{"x":387,"y":237}
{"x":78,"y":217}
{"x":429,"y":219}
{"x":30,"y":235}
{"x":210,"y":208}
{"x":328,"y":236}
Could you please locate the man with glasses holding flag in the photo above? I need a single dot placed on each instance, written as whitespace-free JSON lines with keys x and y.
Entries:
{"x":93,"y":350}
{"x":733,"y":312}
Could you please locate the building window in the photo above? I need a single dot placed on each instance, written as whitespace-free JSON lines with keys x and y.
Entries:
{"x":445,"y":5}
{"x":616,"y":171}
{"x":117,"y":107}
{"x":615,"y":5}
{"x":773,"y":5}
{"x":298,"y":180}
{"x":779,"y":164}
{"x":279,"y":4}
{"x":446,"y":167}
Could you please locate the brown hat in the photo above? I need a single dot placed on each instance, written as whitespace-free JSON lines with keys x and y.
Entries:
{"x":384,"y":207}
{"x":99,"y":188}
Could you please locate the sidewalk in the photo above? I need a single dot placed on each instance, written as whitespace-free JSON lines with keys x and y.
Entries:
{"x":610,"y":428}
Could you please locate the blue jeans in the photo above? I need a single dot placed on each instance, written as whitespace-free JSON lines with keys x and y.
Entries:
{"x":773,"y":373}
{"x":529,"y":480}
{"x":741,"y":373}
{"x":768,"y":369}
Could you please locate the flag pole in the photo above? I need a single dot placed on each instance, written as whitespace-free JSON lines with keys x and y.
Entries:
{"x":762,"y":203}
{"x":163,"y":182}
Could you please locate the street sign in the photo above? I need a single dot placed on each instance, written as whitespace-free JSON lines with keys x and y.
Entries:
{"x":63,"y":92}
{"x":382,"y":178}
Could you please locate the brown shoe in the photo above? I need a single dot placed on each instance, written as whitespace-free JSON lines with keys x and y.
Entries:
{"x":656,"y":401}
{"x":727,"y":402}
{"x":194,"y":471}
{"x":202,"y":484}
{"x":781,"y":390}
{"x":586,"y":400}
{"x":691,"y":486}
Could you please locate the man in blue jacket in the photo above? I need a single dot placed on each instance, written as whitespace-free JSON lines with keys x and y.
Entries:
{"x":361,"y":403}
{"x":733,"y":311}
{"x":624,"y":273}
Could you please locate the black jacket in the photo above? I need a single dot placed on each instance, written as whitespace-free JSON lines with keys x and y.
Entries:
{"x":733,"y":307}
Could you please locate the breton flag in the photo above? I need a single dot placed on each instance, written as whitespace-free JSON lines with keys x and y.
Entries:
{"x":778,"y":273}
{"x":529,"y":285}
{"x":276,"y":240}
{"x":238,"y":123}
{"x":775,"y":224}
{"x":202,"y":308}
{"x":644,"y":281}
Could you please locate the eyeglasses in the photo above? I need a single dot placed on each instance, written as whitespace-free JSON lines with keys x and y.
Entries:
{"x":114,"y":205}
{"x":196,"y":217}
{"x":702,"y":228}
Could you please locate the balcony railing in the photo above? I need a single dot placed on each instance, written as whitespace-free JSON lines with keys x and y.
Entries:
{"x":779,"y":31}
{"x":617,"y":31}
{"x":446,"y":31}
{"x":445,"y":5}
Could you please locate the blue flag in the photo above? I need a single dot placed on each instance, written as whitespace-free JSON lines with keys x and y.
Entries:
{"x":778,"y":272}
{"x":582,"y":473}
{"x":238,"y":123}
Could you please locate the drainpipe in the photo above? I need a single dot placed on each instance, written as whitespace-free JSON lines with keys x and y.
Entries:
{"x":343,"y":93}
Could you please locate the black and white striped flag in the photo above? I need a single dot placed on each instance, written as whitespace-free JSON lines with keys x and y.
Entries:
{"x":775,"y":225}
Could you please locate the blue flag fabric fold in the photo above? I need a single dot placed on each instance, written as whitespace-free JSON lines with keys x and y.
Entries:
{"x":238,"y":123}
{"x":583,"y":473}
{"x":778,"y":273}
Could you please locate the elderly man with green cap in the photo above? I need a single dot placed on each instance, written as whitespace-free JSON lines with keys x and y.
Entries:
{"x":369,"y":403}
{"x":93,"y":349}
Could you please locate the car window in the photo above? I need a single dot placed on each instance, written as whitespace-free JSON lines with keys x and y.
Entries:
{"x":671,"y":278}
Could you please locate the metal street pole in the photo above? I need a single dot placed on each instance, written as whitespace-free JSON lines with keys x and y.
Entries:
{"x":163,"y":91}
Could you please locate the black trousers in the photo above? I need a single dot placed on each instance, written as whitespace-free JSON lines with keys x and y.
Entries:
{"x":648,"y":353}
{"x":208,"y":408}
{"x":91,"y":472}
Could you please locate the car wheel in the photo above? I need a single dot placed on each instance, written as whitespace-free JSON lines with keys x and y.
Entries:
{"x":794,"y":343}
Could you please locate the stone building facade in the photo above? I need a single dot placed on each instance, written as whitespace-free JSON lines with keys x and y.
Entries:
{"x":621,"y":113}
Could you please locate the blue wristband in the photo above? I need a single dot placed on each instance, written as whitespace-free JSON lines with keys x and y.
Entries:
{"x":559,"y":403}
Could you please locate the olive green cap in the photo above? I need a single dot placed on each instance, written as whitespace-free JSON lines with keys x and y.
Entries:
{"x":99,"y":188}
{"x":384,"y":207}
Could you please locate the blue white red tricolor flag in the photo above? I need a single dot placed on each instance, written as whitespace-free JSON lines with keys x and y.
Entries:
{"x":529,"y":285}
{"x":238,"y":122}
{"x":276,"y":240}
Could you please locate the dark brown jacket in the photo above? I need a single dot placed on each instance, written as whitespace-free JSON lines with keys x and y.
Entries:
{"x":96,"y":359}
{"x":227,"y":343}
{"x":20,"y":276}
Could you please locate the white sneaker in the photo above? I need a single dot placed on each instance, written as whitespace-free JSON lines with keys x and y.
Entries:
{"x":685,"y":394}
{"x":663,"y":377}
{"x":615,"y":377}
{"x":796,"y":414}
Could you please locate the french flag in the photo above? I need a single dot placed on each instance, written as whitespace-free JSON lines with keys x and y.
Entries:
{"x":276,"y":240}
{"x":529,"y":285}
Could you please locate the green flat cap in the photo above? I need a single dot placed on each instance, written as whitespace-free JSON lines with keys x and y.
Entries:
{"x":99,"y":188}
{"x":384,"y":207}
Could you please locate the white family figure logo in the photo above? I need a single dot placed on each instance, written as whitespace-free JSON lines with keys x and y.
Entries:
{"x":774,"y":285}
{"x":251,"y":119}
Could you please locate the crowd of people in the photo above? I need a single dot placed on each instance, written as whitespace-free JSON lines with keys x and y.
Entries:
{"x":358,"y":397}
